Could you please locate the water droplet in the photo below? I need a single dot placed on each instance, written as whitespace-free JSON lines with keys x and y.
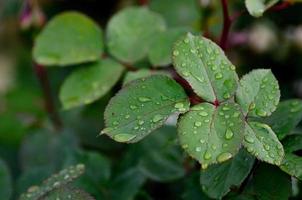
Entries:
{"x":266,"y":147}
{"x":225,"y":108}
{"x":144,"y":99}
{"x":204,"y":166}
{"x":229,"y":134}
{"x":226,"y":95}
{"x":207,"y":155}
{"x":198,"y":149}
{"x":175,"y":53}
{"x":261,"y":113}
{"x":157,"y":118}
{"x":185,"y":73}
{"x":197,"y":124}
{"x":206,"y":120}
{"x":179,"y":105}
{"x":203,"y":113}
{"x":186,"y":40}
{"x":127,"y":116}
{"x":249,"y":139}
{"x":115,"y":123}
{"x":252,"y":106}
{"x":218,"y":76}
{"x":123,"y":137}
{"x":233,"y":68}
{"x":236,"y":114}
{"x":224,"y":156}
{"x":141,"y":122}
{"x":133,"y":107}
{"x":202,"y":141}
{"x":185,"y":146}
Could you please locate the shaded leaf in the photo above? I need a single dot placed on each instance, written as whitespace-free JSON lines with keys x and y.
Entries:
{"x":204,"y":65}
{"x":142,"y":106}
{"x":160,"y":53}
{"x":5,"y":181}
{"x":258,"y":93}
{"x":165,"y":162}
{"x":90,"y":83}
{"x":261,"y":141}
{"x":256,"y":8}
{"x":292,"y":163}
{"x":63,"y":42}
{"x":218,"y":179}
{"x":282,"y":125}
{"x":68,"y":193}
{"x":192,"y":189}
{"x":130,"y":33}
{"x":210,"y":134}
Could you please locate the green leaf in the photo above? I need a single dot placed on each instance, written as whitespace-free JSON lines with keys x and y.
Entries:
{"x":192,"y":189}
{"x":281,"y":125}
{"x":90,"y":83}
{"x":67,"y":193}
{"x":292,"y":163}
{"x":63,"y":42}
{"x":270,"y":183}
{"x":178,"y":12}
{"x":256,"y":8}
{"x":161,"y":48}
{"x":165,"y":162}
{"x":130,"y":33}
{"x":5,"y":181}
{"x":258,"y":93}
{"x":210,"y":134}
{"x":261,"y":141}
{"x":204,"y":65}
{"x":58,"y":180}
{"x":142,"y":73}
{"x":142,"y":106}
{"x":126,"y":185}
{"x":218,"y":179}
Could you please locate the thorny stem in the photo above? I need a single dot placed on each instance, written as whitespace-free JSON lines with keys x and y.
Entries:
{"x":227,"y":22}
{"x":41,"y":74}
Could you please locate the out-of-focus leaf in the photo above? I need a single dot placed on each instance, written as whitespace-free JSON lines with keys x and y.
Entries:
{"x":178,"y":12}
{"x":286,"y":117}
{"x":143,"y":106}
{"x":261,"y":141}
{"x":142,"y":73}
{"x":204,"y":65}
{"x":160,"y":53}
{"x":258,"y":93}
{"x":68,"y":193}
{"x":211,"y":135}
{"x":69,"y":38}
{"x":257,"y":7}
{"x":192,"y":190}
{"x":218,"y":179}
{"x":130,"y":33}
{"x":90,"y":83}
{"x":292,"y":163}
{"x":6,"y":187}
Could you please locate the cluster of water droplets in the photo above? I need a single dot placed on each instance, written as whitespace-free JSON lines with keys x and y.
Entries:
{"x":55,"y":181}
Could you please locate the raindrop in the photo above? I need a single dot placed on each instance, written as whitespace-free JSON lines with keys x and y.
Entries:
{"x":198,"y":149}
{"x":218,"y":76}
{"x":202,"y":141}
{"x":207,"y":155}
{"x":175,"y":53}
{"x":203,"y":113}
{"x":261,"y":113}
{"x":266,"y":147}
{"x":252,"y":106}
{"x":133,"y":107}
{"x":197,"y":124}
{"x":229,"y":134}
{"x":224,"y":156}
{"x":225,"y":108}
{"x":157,"y":118}
{"x":144,"y":99}
{"x":141,"y":122}
{"x":127,"y":116}
{"x":249,"y":139}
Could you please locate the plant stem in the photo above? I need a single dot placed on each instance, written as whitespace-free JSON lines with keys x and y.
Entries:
{"x":143,"y":2}
{"x":227,"y":22}
{"x":42,"y":76}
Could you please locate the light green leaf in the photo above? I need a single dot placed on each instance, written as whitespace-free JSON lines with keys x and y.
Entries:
{"x":130,"y":33}
{"x":58,"y":180}
{"x":292,"y":163}
{"x":165,"y":162}
{"x":161,"y":48}
{"x":142,"y":106}
{"x":211,"y":135}
{"x":204,"y":65}
{"x":218,"y":179}
{"x":256,"y":8}
{"x":261,"y":141}
{"x":178,"y":12}
{"x":142,"y":73}
{"x":282,"y":125}
{"x":5,"y":181}
{"x":258,"y":93}
{"x":63,"y":42}
{"x":67,"y":193}
{"x":90,"y":83}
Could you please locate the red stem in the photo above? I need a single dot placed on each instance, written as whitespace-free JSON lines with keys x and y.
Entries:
{"x":227,"y":22}
{"x":41,"y":74}
{"x":143,"y":2}
{"x":280,"y":6}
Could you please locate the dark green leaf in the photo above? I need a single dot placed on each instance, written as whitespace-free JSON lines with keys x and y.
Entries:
{"x":258,"y":93}
{"x":67,"y":193}
{"x":142,"y":106}
{"x":292,"y":163}
{"x":6,"y":186}
{"x":261,"y":141}
{"x":192,"y":190}
{"x":218,"y":179}
{"x":130,"y":33}
{"x":69,"y":38}
{"x":282,"y":125}
{"x":204,"y":65}
{"x":210,"y":134}
{"x":90,"y":83}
